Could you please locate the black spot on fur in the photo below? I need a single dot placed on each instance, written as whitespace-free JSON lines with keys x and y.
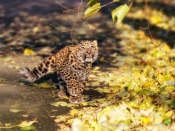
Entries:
{"x":52,"y":65}
{"x":47,"y":63}
{"x":52,"y":61}
{"x":44,"y":70}
{"x":39,"y":68}
{"x":41,"y":65}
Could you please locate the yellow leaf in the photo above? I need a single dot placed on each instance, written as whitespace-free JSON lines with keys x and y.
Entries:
{"x":92,"y":10}
{"x":112,"y":83}
{"x":105,"y":111}
{"x":169,"y":113}
{"x":113,"y":55}
{"x":69,"y":121}
{"x":43,"y":85}
{"x":60,"y":103}
{"x":166,"y":47}
{"x":115,"y":0}
{"x":92,"y":2}
{"x":28,"y":51}
{"x":102,"y":59}
{"x":17,"y":67}
{"x":84,"y":103}
{"x":73,"y":112}
{"x":35,"y":29}
{"x":13,"y":62}
{"x":95,"y":69}
{"x":102,"y":119}
{"x":145,"y":120}
{"x":132,"y":104}
{"x":62,"y":127}
{"x":76,"y":125}
{"x":156,"y":19}
{"x":61,"y":118}
{"x":27,"y":123}
{"x":7,"y":59}
{"x":119,"y":13}
{"x":14,"y":110}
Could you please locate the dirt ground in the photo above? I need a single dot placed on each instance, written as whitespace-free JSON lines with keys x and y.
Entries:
{"x":33,"y":103}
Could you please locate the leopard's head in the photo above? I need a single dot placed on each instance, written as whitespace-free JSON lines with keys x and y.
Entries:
{"x":87,"y":51}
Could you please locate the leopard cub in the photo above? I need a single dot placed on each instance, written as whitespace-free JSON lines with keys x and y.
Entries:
{"x":72,"y":64}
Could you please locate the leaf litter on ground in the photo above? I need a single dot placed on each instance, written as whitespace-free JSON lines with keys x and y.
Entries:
{"x":139,"y":92}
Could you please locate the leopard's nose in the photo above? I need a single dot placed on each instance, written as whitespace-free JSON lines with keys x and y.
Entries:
{"x":89,"y":52}
{"x":88,"y":55}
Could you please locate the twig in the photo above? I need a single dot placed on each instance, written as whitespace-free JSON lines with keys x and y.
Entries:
{"x":148,"y":24}
{"x":69,"y":9}
{"x":107,"y":4}
{"x":87,"y":26}
{"x":81,"y":6}
{"x":77,"y":17}
{"x":75,"y":9}
{"x":61,"y":5}
{"x":78,"y":13}
{"x":8,"y":127}
{"x":60,"y":29}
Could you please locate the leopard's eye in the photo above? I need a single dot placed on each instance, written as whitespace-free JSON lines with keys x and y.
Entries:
{"x":82,"y":47}
{"x":92,"y":47}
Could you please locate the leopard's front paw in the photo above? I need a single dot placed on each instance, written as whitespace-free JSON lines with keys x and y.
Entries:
{"x":76,"y":99}
{"x":61,"y":94}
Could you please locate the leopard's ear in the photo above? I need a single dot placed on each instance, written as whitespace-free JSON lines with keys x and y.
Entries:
{"x":95,"y":42}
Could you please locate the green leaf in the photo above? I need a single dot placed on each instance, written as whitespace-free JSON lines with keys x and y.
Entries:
{"x":27,"y":128}
{"x":92,"y":2}
{"x":167,"y":121}
{"x":145,"y":92}
{"x":92,"y":10}
{"x":119,"y":13}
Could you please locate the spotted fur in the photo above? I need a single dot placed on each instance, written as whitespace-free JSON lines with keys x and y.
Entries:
{"x":72,"y":64}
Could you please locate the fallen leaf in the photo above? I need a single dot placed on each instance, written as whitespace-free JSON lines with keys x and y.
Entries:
{"x":59,"y":103}
{"x":28,"y":128}
{"x":14,"y":110}
{"x":28,"y":52}
{"x":27,"y":123}
{"x":43,"y":85}
{"x":74,"y":112}
{"x":76,"y":125}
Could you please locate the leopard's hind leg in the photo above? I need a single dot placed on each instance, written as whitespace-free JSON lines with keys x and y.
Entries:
{"x":62,"y":92}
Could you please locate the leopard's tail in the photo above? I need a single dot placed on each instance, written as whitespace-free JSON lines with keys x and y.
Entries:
{"x":37,"y":72}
